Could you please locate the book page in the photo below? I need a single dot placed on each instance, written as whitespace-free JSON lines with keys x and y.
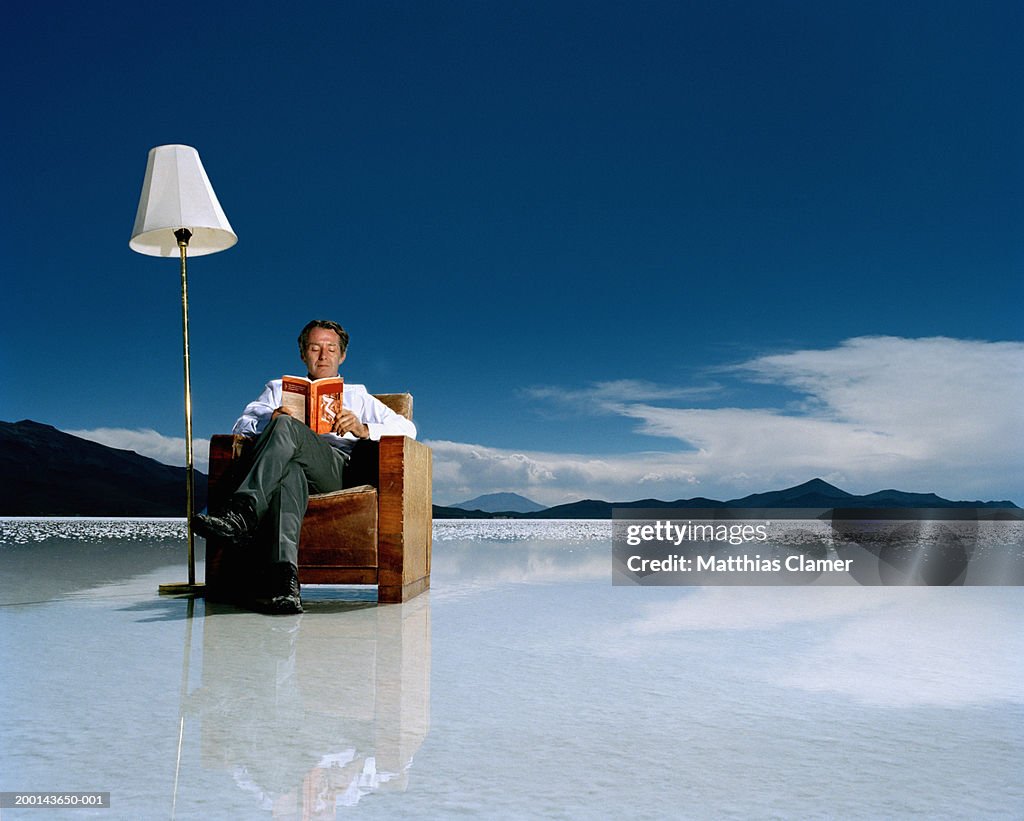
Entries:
{"x":294,"y":394}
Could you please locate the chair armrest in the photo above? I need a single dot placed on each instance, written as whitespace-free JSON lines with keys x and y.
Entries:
{"x":226,"y":452}
{"x":405,"y":517}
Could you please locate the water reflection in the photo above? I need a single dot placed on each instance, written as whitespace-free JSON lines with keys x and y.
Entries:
{"x":932,"y":551}
{"x":316,"y":711}
{"x":252,"y":716}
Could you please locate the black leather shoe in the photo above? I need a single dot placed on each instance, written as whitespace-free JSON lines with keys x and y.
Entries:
{"x":236,"y":522}
{"x":278,"y":606}
{"x":286,"y":599}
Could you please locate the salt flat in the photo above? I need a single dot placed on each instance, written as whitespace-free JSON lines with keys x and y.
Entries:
{"x":523,"y":685}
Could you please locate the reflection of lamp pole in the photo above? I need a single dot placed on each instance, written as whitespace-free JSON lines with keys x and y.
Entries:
{"x":178,"y":212}
{"x":181,"y":699}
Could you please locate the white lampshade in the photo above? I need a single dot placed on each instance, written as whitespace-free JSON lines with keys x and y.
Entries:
{"x":176,"y":193}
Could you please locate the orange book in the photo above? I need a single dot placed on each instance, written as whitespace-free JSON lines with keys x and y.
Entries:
{"x":317,"y":402}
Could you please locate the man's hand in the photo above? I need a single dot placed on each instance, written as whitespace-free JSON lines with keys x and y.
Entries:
{"x":279,"y":412}
{"x":348,"y":422}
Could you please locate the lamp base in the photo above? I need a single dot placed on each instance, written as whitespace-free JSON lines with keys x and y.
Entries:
{"x":182,"y":589}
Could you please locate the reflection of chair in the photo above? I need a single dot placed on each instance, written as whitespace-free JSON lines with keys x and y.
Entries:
{"x":376,"y":531}
{"x":317,"y":711}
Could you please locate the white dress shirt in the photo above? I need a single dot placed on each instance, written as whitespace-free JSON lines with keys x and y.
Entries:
{"x":379,"y":419}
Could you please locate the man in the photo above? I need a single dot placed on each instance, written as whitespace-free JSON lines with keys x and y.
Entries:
{"x":290,"y":462}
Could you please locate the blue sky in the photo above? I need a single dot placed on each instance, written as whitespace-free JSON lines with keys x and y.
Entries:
{"x":616,"y":250}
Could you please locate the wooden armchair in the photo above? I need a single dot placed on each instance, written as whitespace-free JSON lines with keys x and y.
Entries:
{"x":377,"y":530}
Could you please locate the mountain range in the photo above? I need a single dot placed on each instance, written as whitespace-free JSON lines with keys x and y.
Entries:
{"x":46,"y":472}
{"x":814,"y":494}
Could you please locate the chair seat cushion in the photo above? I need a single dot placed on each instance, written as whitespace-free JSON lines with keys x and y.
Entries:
{"x":344,"y":491}
{"x":339,"y":531}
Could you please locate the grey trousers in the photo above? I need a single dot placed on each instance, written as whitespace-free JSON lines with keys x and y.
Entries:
{"x":289,"y":463}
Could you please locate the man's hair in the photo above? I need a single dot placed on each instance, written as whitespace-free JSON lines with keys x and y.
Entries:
{"x":322,"y":323}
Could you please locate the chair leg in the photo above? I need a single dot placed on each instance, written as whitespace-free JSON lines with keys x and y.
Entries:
{"x":397,"y":594}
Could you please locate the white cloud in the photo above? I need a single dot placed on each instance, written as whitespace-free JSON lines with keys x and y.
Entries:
{"x":610,"y":395}
{"x":937,"y":414}
{"x":932,"y":392}
{"x":933,"y":414}
{"x":145,"y":442}
{"x":462,"y":471}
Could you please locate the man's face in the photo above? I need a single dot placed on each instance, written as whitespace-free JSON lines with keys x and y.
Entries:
{"x":323,"y":354}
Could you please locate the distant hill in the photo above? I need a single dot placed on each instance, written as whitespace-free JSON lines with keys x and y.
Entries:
{"x":46,"y":472}
{"x":816,"y":493}
{"x":500,"y":503}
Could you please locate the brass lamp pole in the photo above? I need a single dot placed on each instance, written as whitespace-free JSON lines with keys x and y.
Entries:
{"x":183,"y":235}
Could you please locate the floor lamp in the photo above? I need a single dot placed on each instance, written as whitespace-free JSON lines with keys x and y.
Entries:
{"x":179,"y":214}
